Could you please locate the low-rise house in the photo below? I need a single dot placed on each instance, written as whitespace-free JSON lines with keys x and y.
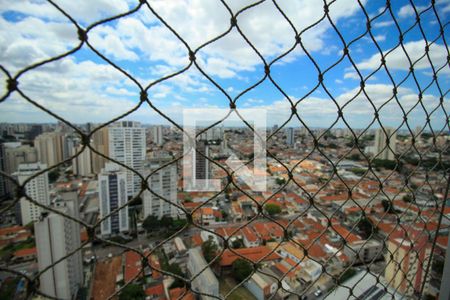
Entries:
{"x":249,"y":238}
{"x":261,"y":286}
{"x":255,"y":254}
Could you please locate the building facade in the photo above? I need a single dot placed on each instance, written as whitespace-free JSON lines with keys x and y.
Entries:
{"x":405,"y":269}
{"x":82,"y":164}
{"x":381,"y":150}
{"x":127,"y":146}
{"x":290,"y":140}
{"x":164,"y":183}
{"x":57,"y":237}
{"x":112,"y":191}
{"x":50,"y":147}
{"x":37,"y":189}
{"x":100,"y":142}
{"x":157,"y":135}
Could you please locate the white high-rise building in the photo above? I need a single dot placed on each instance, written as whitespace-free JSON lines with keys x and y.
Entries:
{"x":112,"y":191}
{"x":157,"y":135}
{"x":164,"y":183}
{"x":36,"y":189}
{"x":381,"y":151}
{"x":82,"y":164}
{"x":50,"y":147}
{"x":127,"y":146}
{"x":290,"y":136}
{"x":56,"y":237}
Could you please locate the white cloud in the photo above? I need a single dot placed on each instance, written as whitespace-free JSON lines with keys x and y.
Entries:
{"x":383,"y":24}
{"x":397,"y":59}
{"x":406,"y":11}
{"x":352,"y":75}
{"x":380,"y":37}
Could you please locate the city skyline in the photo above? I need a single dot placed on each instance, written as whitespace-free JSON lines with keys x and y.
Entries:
{"x":83,"y":76}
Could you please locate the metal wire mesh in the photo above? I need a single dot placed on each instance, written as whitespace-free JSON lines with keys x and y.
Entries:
{"x":289,"y":227}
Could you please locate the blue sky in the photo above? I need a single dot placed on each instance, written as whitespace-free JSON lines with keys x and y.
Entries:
{"x":83,"y":87}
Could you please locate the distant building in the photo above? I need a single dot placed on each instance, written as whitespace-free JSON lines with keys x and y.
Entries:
{"x":157,"y":135}
{"x":15,"y":154}
{"x":405,"y":269}
{"x":380,"y":149}
{"x":112,"y":191}
{"x":69,"y":142}
{"x":100,"y":142}
{"x":3,"y":180}
{"x":36,"y":189}
{"x":56,"y":237}
{"x":50,"y":147}
{"x":206,"y":282}
{"x":34,"y":131}
{"x":290,"y":138}
{"x":202,"y":166}
{"x":82,"y":164}
{"x":127,"y":146}
{"x":164,"y":183}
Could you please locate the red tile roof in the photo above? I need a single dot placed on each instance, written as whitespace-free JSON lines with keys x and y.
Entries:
{"x":249,"y":235}
{"x":176,"y":293}
{"x":156,"y":291}
{"x":346,"y":234}
{"x":132,"y":265}
{"x":254,"y":254}
{"x":25,"y":252}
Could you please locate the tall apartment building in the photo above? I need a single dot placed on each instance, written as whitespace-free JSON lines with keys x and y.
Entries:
{"x":157,"y":135}
{"x":50,"y":147}
{"x":112,"y":191}
{"x":127,"y":145}
{"x":405,"y":270}
{"x":82,"y":164}
{"x":202,"y":165}
{"x":290,"y":141}
{"x":56,"y":237}
{"x":3,"y":180}
{"x":14,"y":155}
{"x":100,"y":142}
{"x":36,"y":189}
{"x":380,"y":150}
{"x":164,"y":183}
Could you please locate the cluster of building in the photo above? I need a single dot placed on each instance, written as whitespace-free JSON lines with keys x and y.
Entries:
{"x":333,"y":213}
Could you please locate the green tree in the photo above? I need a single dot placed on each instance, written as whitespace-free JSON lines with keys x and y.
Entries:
{"x":53,"y":175}
{"x":388,"y":206}
{"x":386,"y":164}
{"x":272,"y":209}
{"x":349,"y":273}
{"x":209,"y":249}
{"x":241,"y":269}
{"x":280,"y":180}
{"x":237,"y":244}
{"x":407,"y":198}
{"x":131,"y":292}
{"x":177,"y":224}
{"x":166,"y":222}
{"x":366,"y":227}
{"x":175,"y":269}
{"x":150,"y":223}
{"x":355,"y":157}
